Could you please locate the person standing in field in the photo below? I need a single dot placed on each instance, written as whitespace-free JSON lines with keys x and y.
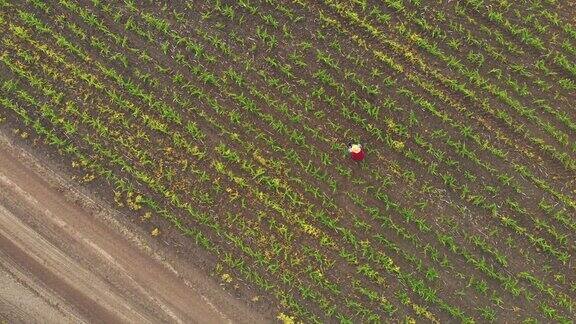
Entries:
{"x":356,"y":152}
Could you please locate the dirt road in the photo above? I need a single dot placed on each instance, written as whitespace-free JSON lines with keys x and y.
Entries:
{"x":61,"y":263}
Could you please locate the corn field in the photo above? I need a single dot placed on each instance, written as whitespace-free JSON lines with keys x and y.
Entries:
{"x":220,"y":127}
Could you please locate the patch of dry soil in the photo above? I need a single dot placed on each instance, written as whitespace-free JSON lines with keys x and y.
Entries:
{"x":61,"y":261}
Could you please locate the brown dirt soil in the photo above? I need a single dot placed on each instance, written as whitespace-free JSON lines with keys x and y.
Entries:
{"x":65,"y":258}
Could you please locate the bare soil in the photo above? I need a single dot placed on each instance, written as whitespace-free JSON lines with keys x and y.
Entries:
{"x":65,"y":258}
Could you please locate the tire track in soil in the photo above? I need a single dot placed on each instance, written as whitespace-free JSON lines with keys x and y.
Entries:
{"x":57,"y":250}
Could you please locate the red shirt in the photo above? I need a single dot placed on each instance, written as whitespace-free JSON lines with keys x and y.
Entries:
{"x":358,"y":156}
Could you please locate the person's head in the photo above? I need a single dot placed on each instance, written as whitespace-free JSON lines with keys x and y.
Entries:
{"x":355,"y":148}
